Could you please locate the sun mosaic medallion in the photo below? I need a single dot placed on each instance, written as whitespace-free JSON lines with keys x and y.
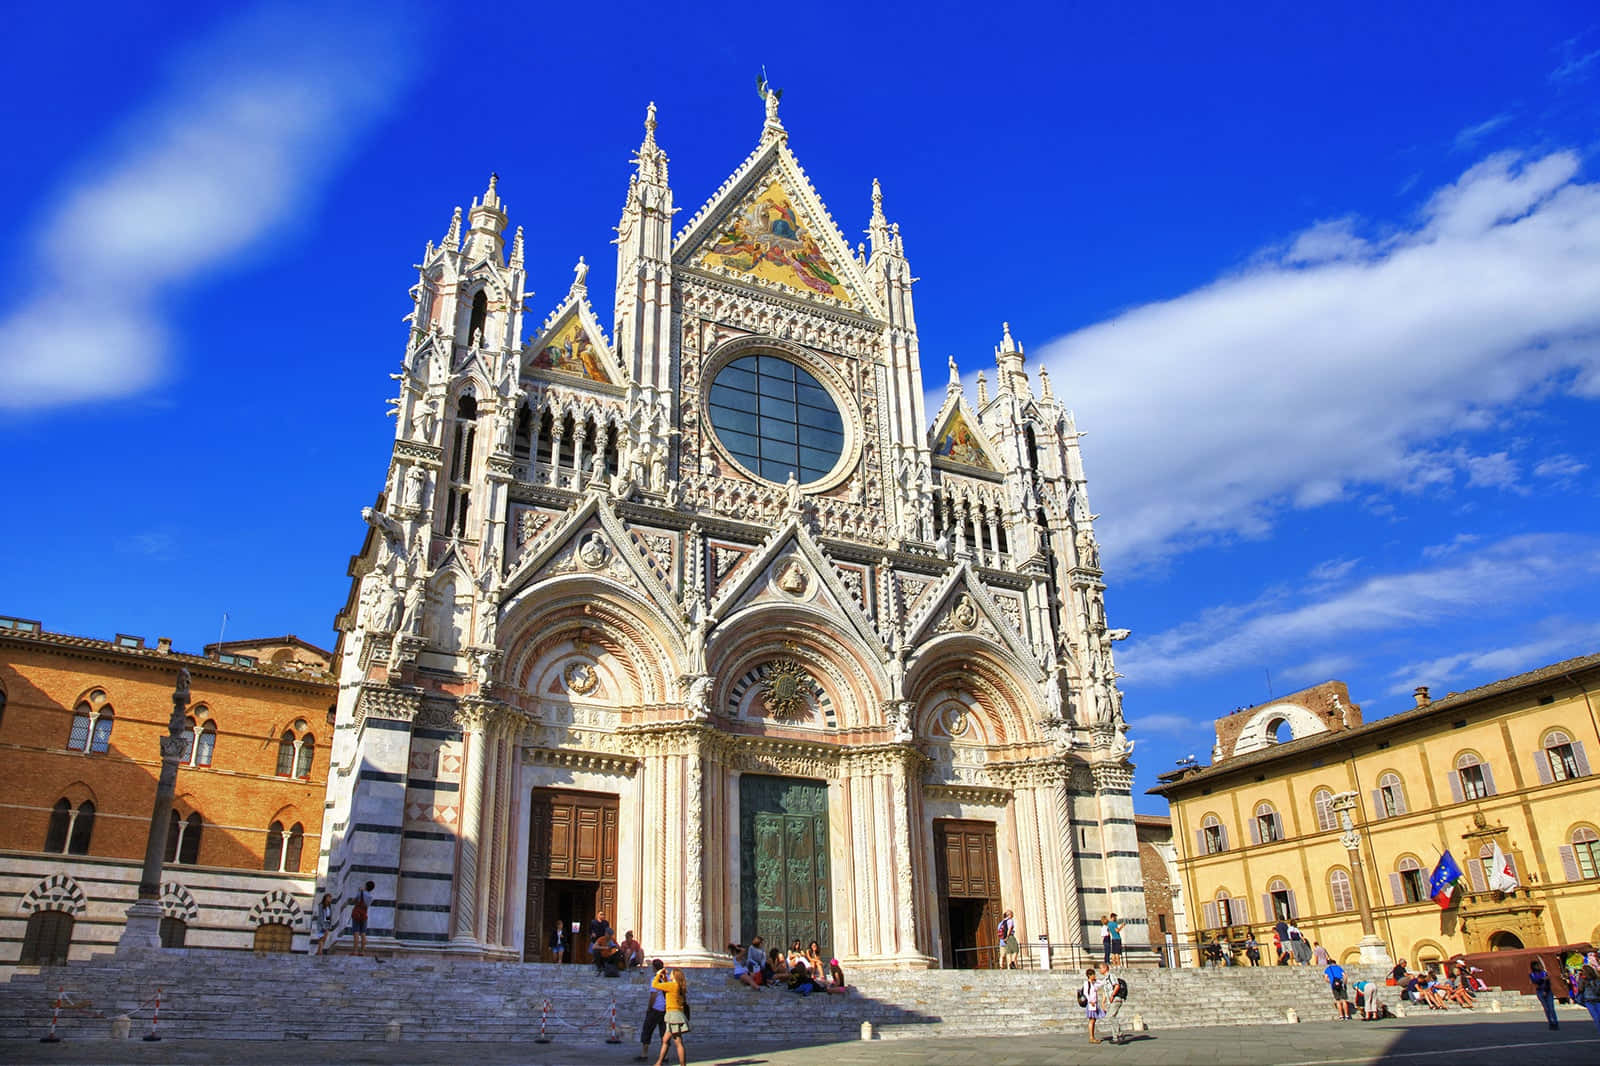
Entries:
{"x":786,"y":690}
{"x":764,"y":237}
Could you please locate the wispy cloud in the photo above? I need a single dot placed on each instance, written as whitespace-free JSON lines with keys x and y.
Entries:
{"x":1576,"y":68}
{"x":1342,"y":364}
{"x":1559,"y":639}
{"x":1562,"y":469}
{"x":151,"y":544}
{"x":1286,"y":625}
{"x":1468,"y":138}
{"x":252,"y":122}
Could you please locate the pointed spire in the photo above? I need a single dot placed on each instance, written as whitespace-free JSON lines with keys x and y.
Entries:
{"x":878,"y":226}
{"x":1006,"y":343}
{"x":955,"y":377}
{"x":491,"y":198}
{"x":1008,"y":356}
{"x":650,"y":160}
{"x":649,"y":143}
{"x":452,"y":236}
{"x":516,"y":248}
{"x":983,"y":390}
{"x":1044,"y":384}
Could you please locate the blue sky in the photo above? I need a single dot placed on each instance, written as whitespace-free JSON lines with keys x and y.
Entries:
{"x":1323,"y":289}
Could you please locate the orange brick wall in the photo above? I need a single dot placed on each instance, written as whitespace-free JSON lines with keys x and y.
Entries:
{"x":238,"y":796}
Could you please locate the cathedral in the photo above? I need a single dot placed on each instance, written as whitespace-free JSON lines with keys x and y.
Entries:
{"x":703,"y":625}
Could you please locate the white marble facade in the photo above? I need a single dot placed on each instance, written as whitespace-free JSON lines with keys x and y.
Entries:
{"x":577,"y":577}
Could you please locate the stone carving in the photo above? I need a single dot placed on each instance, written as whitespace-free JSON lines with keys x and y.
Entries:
{"x":581,"y":678}
{"x":392,"y":557}
{"x":416,"y":487}
{"x":786,"y":690}
{"x":428,"y":419}
{"x":594,"y":551}
{"x":965,"y":612}
{"x":792,"y":578}
{"x":1088,"y":550}
{"x":698,"y":699}
{"x":695,"y":639}
{"x":898,"y":713}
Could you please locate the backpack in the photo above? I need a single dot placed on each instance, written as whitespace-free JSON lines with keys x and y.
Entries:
{"x":1122,"y":990}
{"x":358,"y":910}
{"x":1083,"y":1000}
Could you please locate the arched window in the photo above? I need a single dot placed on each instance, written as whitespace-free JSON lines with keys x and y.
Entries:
{"x":173,"y":932}
{"x":183,"y":838}
{"x":296,"y":748}
{"x":286,"y":753}
{"x":478,"y":319}
{"x":459,"y":497}
{"x":291,"y":848}
{"x":272,"y":858}
{"x":1473,"y":780}
{"x":522,"y":440}
{"x":1339,"y":891}
{"x":1581,"y":858}
{"x":1212,"y":836}
{"x":302,"y":759}
{"x":1278,"y":902}
{"x":187,"y":736}
{"x":1560,"y":758}
{"x":55,"y":838}
{"x":205,"y":744}
{"x":273,"y":937}
{"x":1322,"y":804}
{"x":1407,"y":883}
{"x":82,"y":829}
{"x":1266,"y":828}
{"x":1226,"y":910}
{"x":48,"y":939}
{"x":1389,"y":798}
{"x":100,"y":741}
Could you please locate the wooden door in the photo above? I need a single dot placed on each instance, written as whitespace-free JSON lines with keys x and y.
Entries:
{"x":572,"y":836}
{"x":783,"y":861}
{"x":967,"y":867}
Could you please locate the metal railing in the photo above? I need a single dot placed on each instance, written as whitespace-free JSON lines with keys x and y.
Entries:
{"x":1054,"y":955}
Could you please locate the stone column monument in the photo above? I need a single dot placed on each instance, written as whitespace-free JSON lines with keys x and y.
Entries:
{"x":1373,"y":950}
{"x":144,"y":917}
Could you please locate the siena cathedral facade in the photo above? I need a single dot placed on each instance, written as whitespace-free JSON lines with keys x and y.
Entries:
{"x":704,"y":625}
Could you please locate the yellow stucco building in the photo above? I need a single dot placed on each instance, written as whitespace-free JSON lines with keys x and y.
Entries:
{"x":1259,"y":832}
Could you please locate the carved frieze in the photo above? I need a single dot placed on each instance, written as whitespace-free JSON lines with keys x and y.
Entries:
{"x":387,"y":701}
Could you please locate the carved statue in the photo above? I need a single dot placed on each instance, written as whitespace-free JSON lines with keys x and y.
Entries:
{"x":476,"y":340}
{"x":392,"y":547}
{"x":180,"y":689}
{"x":695,"y":640}
{"x":898,"y":712}
{"x":593,"y":552}
{"x":486,"y":623}
{"x":698,"y":701}
{"x":580,"y":274}
{"x":965,"y":612}
{"x":658,"y":466}
{"x":1088,"y":550}
{"x":383,"y":612}
{"x":504,"y":421}
{"x":489,"y":573}
{"x":427,"y":419}
{"x":597,"y":470}
{"x":623,"y":484}
{"x":1053,"y":707}
{"x":791,"y":494}
{"x":416,"y":487}
{"x":410,"y":615}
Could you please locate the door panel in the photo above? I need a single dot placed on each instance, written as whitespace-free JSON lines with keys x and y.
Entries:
{"x":783,"y":861}
{"x":967,"y":869}
{"x":572,"y":860}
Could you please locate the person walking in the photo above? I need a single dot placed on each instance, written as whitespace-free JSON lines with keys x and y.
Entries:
{"x":1589,"y":990}
{"x":1006,"y":933}
{"x":1252,"y":950}
{"x":1089,"y":999}
{"x":670,"y":981}
{"x":1540,"y":979}
{"x":1335,"y":975}
{"x":1111,"y":1000}
{"x":358,"y":917}
{"x":1320,"y":956}
{"x":558,"y":943}
{"x":655,"y":1016}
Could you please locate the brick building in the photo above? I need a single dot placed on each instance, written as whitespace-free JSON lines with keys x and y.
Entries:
{"x":1163,"y":892}
{"x":80,"y":722}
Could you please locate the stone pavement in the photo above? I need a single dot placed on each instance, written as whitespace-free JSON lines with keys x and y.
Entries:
{"x":1417,"y":1041}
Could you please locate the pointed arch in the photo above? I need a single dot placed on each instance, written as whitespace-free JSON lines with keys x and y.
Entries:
{"x":1006,"y":699}
{"x":614,"y":620}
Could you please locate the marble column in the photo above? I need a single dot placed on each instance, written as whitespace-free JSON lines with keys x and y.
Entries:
{"x":473,"y":722}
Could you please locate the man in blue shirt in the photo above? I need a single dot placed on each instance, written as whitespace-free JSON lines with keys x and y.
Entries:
{"x":1335,"y":975}
{"x":655,"y":1015}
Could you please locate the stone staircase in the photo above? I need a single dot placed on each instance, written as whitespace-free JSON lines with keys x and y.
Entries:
{"x":237,"y":996}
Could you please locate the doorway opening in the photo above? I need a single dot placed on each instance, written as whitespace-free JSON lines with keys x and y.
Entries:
{"x":571,"y":905}
{"x":572,"y":871}
{"x":967,"y":868}
{"x":967,"y":920}
{"x":1504,"y":941}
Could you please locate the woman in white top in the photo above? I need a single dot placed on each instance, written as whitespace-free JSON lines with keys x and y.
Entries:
{"x":1090,"y":994}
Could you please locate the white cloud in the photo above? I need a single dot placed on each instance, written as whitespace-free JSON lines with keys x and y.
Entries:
{"x":1560,"y":640}
{"x":1468,"y":138}
{"x":1280,"y":625}
{"x":1575,"y":69}
{"x":253,"y":120}
{"x":1560,"y":468}
{"x":1339,"y":363}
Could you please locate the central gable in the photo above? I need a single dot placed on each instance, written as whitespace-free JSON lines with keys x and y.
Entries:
{"x":764,"y":237}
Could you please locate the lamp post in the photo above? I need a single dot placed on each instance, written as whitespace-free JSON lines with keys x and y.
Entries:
{"x":143,"y":928}
{"x":1373,"y":950}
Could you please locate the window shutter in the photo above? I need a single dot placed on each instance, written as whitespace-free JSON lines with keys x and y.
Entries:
{"x":1243,"y":917}
{"x":1255,"y":831}
{"x":1211,"y":915}
{"x":1569,"y":863}
{"x":1580,"y":758}
{"x":1541,"y":762}
{"x":1377,"y":805}
{"x":1397,"y":888}
{"x":1294,"y":907}
{"x":1475,"y":874}
{"x":1399,"y":800}
{"x":1455,"y":786}
{"x":1199,"y":841}
{"x":1488,"y":780}
{"x":1266,"y":904}
{"x":1222,"y":830}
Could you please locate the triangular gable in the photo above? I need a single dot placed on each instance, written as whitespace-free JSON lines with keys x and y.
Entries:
{"x":958,"y":437}
{"x":791,"y":543}
{"x":962,"y":604}
{"x":572,"y":343}
{"x":591,"y":539}
{"x":768,"y":225}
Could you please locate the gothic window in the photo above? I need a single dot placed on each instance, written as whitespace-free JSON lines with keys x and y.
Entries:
{"x":183,"y":838}
{"x":205,"y":744}
{"x":776,"y":419}
{"x":1339,"y":892}
{"x":173,"y":932}
{"x":47,"y":939}
{"x":1322,"y":804}
{"x":285,"y":753}
{"x":1408,"y":883}
{"x":292,"y":845}
{"x":1213,"y":835}
{"x":302,"y":759}
{"x":91,"y":724}
{"x":459,"y":497}
{"x":522,"y":440}
{"x":295,"y":751}
{"x":1560,"y":758}
{"x":55,"y":837}
{"x":78,"y":740}
{"x":1581,"y":858}
{"x":1472,"y":780}
{"x":478,"y":319}
{"x":100,"y":741}
{"x":187,"y":736}
{"x":1389,"y":798}
{"x":272,"y":858}
{"x":273,"y":937}
{"x":284,"y":848}
{"x":82,"y":829}
{"x":1267,"y":827}
{"x":1279,"y":900}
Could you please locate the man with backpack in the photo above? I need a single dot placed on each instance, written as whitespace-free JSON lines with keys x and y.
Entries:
{"x":358,"y":917}
{"x":1114,"y":993}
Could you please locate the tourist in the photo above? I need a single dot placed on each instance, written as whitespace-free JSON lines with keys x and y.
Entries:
{"x":1280,"y":947}
{"x":1335,"y":975}
{"x":1115,"y":926}
{"x":1299,"y":946}
{"x":1111,"y":999}
{"x":741,"y":967}
{"x":606,"y":954}
{"x":632,"y":951}
{"x":1089,"y":1000}
{"x":800,"y":977}
{"x":1540,"y":979}
{"x":1006,"y":935}
{"x":836,"y":983}
{"x":1589,"y":990}
{"x":558,"y":943}
{"x":598,"y":928}
{"x":1252,"y":950}
{"x":1105,"y":937}
{"x":358,"y":917}
{"x":1460,"y":990}
{"x":1320,"y":956}
{"x":756,"y":959}
{"x":655,"y":1016}
{"x":814,"y":959}
{"x":670,"y":980}
{"x":778,"y":965}
{"x":324,"y":925}
{"x":1398,"y":974}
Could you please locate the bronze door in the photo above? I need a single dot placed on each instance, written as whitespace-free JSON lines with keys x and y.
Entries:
{"x":967,"y":867}
{"x":783,"y":862}
{"x":572,"y":841}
